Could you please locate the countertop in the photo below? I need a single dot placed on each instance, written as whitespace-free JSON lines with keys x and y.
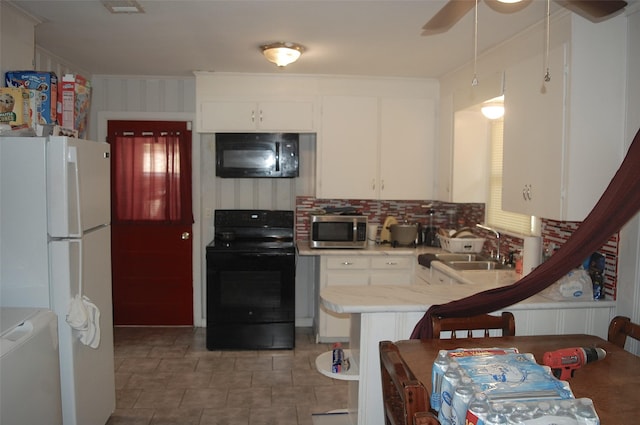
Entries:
{"x":419,"y":297}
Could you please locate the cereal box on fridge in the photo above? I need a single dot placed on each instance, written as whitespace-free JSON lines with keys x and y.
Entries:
{"x":74,"y":101}
{"x":14,"y":106}
{"x":46,"y":83}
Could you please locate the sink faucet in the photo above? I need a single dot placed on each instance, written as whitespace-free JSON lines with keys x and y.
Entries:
{"x":496,"y":234}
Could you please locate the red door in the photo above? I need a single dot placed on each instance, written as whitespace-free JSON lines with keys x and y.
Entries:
{"x":151,"y":221}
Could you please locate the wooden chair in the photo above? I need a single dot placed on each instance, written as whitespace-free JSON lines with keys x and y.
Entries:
{"x":620,"y":328}
{"x":505,"y":322}
{"x":405,"y":399}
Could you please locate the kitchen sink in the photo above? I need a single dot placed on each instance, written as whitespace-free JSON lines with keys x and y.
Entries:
{"x":462,"y":261}
{"x":475,"y":265}
{"x":448,"y":257}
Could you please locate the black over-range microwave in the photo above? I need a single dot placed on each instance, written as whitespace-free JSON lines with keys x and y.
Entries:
{"x":243,"y":155}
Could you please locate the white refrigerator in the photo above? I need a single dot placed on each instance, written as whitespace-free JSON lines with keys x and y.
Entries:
{"x":29,"y":367}
{"x":55,"y":253}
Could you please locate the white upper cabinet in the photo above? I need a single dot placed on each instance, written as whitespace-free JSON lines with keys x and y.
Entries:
{"x":564,"y":141}
{"x":407,"y":143}
{"x":255,"y":102}
{"x":348,"y":154}
{"x":533,"y":140}
{"x":376,"y":147}
{"x":232,"y":115}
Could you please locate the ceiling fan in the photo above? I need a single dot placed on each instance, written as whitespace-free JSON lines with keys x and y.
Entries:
{"x":454,"y":10}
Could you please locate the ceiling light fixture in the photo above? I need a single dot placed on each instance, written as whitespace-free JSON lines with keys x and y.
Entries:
{"x":493,"y":108}
{"x":123,"y":6}
{"x":282,"y":53}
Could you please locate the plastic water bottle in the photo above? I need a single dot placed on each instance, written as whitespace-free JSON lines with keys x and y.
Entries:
{"x":449,"y":384}
{"x":496,"y":416}
{"x":440,"y":366}
{"x":478,"y":407}
{"x":461,"y":399}
{"x":542,"y":409}
{"x":565,"y":409}
{"x":585,"y":412}
{"x":520,"y":414}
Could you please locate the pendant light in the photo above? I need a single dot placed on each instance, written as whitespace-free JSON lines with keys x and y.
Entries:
{"x":493,"y":108}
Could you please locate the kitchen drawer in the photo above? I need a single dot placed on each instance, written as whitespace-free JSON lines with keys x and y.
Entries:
{"x":392,"y":262}
{"x":348,"y":263}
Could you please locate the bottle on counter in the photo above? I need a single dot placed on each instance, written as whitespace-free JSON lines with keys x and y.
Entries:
{"x":517,"y":259}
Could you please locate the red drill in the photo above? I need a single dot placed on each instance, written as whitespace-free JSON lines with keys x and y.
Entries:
{"x":565,"y":361}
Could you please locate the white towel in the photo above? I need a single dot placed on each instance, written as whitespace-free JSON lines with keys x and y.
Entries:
{"x":84,"y":317}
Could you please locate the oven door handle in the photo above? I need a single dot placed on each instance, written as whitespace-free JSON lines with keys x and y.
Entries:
{"x":266,"y":254}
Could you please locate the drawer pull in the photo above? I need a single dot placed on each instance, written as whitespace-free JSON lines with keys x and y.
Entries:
{"x":391,"y":263}
{"x":347,"y":263}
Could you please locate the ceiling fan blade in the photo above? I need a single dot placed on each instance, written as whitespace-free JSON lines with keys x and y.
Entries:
{"x":502,"y":7}
{"x":594,"y":10}
{"x":448,"y":16}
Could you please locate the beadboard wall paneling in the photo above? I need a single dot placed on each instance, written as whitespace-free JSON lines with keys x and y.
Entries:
{"x":141,"y":94}
{"x":47,"y":61}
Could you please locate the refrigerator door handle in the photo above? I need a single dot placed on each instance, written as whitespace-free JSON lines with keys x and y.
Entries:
{"x":75,"y":223}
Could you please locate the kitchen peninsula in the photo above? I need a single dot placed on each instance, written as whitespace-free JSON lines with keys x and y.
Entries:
{"x":390,"y":312}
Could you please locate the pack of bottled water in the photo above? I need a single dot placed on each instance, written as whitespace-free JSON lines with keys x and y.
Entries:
{"x":503,"y":379}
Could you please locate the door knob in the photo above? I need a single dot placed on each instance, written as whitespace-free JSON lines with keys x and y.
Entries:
{"x":185,"y":236}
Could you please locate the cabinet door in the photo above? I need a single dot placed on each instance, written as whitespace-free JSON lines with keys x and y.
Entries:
{"x":534,"y":136}
{"x":285,"y":116}
{"x":406,"y":148}
{"x":339,"y":271}
{"x":348,"y":148}
{"x":228,"y":116}
{"x":392,"y":270}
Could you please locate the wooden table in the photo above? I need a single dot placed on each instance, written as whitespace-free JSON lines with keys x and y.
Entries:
{"x":612,"y":383}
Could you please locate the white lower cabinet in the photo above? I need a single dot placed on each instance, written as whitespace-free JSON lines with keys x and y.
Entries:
{"x":339,"y":271}
{"x":357,"y":270}
{"x":392,"y":270}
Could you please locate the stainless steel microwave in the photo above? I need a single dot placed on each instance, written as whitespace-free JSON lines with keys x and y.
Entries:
{"x":247,"y":155}
{"x":338,"y":231}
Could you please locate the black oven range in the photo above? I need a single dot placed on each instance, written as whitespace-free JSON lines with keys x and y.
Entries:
{"x":251,"y":281}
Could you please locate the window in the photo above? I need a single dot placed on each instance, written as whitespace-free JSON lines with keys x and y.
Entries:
{"x":496,"y":217}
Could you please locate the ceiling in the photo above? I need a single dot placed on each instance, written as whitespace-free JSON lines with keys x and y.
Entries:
{"x":350,"y":37}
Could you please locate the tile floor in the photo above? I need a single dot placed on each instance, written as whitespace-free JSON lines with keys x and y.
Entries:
{"x":166,"y":376}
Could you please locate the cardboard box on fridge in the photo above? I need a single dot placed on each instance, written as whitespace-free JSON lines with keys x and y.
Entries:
{"x":74,"y":101}
{"x":14,"y":106}
{"x":46,"y":83}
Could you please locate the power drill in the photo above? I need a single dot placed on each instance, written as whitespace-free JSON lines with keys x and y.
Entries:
{"x":565,"y":361}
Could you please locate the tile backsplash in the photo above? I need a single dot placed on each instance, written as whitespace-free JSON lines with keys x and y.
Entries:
{"x":446,"y":215}
{"x":450,"y":215}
